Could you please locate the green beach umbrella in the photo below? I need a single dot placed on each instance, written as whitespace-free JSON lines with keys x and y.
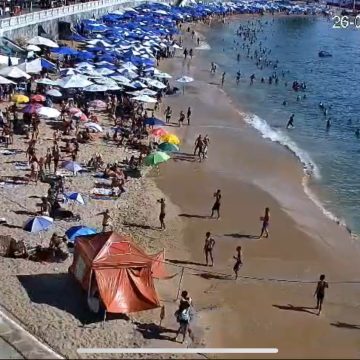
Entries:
{"x":168,"y":147}
{"x":156,"y":158}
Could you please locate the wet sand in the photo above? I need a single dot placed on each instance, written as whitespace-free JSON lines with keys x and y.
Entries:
{"x":252,"y":174}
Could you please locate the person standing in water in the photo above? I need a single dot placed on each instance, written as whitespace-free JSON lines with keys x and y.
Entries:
{"x":216,"y":206}
{"x":357,"y":133}
{"x":238,"y":262}
{"x":265,"y":223}
{"x":291,"y":121}
{"x":223,"y":78}
{"x":208,"y":248}
{"x":320,"y":292}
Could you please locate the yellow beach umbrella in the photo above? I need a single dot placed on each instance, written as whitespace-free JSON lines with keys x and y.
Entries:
{"x":20,"y":99}
{"x":171,"y":138}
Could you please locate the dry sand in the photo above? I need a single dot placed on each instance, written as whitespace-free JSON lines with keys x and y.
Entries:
{"x":250,"y":312}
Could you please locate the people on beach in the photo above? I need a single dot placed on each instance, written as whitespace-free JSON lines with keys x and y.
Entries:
{"x":223,"y":78}
{"x":168,"y":113}
{"x":290,"y":122}
{"x":184,"y":316}
{"x":238,"y":261}
{"x":208,"y":248}
{"x":198,"y":145}
{"x":213,"y":68}
{"x":217,"y":204}
{"x":106,"y":220}
{"x":162,"y":213}
{"x":265,"y":223}
{"x":181,"y":118}
{"x":320,"y":292}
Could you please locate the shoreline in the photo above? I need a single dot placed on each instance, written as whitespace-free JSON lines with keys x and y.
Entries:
{"x":317,"y":243}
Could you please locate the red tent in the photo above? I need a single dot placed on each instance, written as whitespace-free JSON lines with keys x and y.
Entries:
{"x":120,"y":271}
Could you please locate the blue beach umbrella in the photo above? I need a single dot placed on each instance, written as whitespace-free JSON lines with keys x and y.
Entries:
{"x":154,"y":121}
{"x":76,"y":197}
{"x":79,"y":230}
{"x":38,"y":223}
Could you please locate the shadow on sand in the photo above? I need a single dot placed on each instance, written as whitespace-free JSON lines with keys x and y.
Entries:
{"x":184,"y":262}
{"x":141,"y":226}
{"x":346,"y":325}
{"x":153,"y":331}
{"x":242,"y":236}
{"x":208,"y":276}
{"x":296,"y":308}
{"x":195,"y":216}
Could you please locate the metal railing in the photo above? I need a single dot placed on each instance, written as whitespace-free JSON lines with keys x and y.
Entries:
{"x":50,"y":14}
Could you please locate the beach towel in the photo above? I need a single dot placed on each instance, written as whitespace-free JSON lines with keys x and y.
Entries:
{"x":106,"y":192}
{"x":10,"y":152}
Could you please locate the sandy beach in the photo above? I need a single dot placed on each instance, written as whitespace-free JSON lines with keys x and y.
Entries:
{"x":270,"y":305}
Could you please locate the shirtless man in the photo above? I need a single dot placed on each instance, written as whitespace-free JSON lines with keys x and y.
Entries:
{"x":320,"y":292}
{"x":106,"y":222}
{"x":162,"y":214}
{"x":216,"y":206}
{"x":198,"y":145}
{"x":208,"y":248}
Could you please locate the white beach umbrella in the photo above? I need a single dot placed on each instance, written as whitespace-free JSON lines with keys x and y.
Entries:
{"x":128,"y":73}
{"x":145,"y":98}
{"x":144,"y":92}
{"x":39,"y":40}
{"x":31,"y":67}
{"x":176,"y":46}
{"x":185,"y":79}
{"x":105,"y":81}
{"x":96,"y":88}
{"x":46,"y":81}
{"x":137,"y":84}
{"x":100,"y":63}
{"x":104,"y":71}
{"x":74,"y":81}
{"x":14,"y":73}
{"x":162,"y":75}
{"x":129,"y":66}
{"x":33,"y":48}
{"x":156,"y":84}
{"x":68,"y":71}
{"x":54,"y":93}
{"x":113,"y":87}
{"x":120,"y":79}
{"x":84,"y":65}
{"x":4,"y":81}
{"x":49,"y":112}
{"x":94,"y":126}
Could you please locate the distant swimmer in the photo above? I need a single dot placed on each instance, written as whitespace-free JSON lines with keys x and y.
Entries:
{"x":349,"y":122}
{"x":238,"y":75}
{"x":357,"y":133}
{"x":252,"y":77}
{"x":238,"y":57}
{"x":321,"y":106}
{"x":320,"y":292}
{"x":284,"y":103}
{"x":291,"y":121}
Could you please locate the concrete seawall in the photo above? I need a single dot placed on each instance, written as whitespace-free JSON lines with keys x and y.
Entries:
{"x":26,"y":26}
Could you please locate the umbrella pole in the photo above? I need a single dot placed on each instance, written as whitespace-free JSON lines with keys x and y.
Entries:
{"x":103,"y":324}
{"x":183,"y":89}
{"x":180,"y":283}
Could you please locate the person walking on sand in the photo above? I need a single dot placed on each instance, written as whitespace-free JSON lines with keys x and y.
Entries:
{"x":106,"y":222}
{"x":265,"y":224}
{"x":168,"y":113}
{"x":162,"y":213}
{"x":181,"y":118}
{"x":208,"y":248}
{"x":184,"y":316}
{"x":216,"y":206}
{"x":320,"y":292}
{"x":188,"y":115}
{"x":198,"y":144}
{"x":238,"y":262}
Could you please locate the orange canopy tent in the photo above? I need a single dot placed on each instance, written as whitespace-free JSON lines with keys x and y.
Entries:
{"x":122,"y":272}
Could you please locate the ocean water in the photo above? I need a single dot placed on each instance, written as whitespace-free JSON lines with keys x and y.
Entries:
{"x":330,"y":156}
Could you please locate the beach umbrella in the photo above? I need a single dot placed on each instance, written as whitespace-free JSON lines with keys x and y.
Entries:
{"x":72,"y":166}
{"x":69,"y":71}
{"x":185,"y":80}
{"x":154,"y":121}
{"x":20,"y":99}
{"x":49,"y":112}
{"x":171,"y":138}
{"x":156,"y":158}
{"x":79,"y":230}
{"x":161,"y":75}
{"x":74,"y":110}
{"x":74,"y":81}
{"x":137,"y":84}
{"x":129,"y":66}
{"x":121,"y":79}
{"x":128,"y":73}
{"x":144,"y":92}
{"x":76,"y":197}
{"x":32,"y":108}
{"x":159,"y":132}
{"x":113,"y":87}
{"x":104,"y":71}
{"x":46,"y":81}
{"x":38,"y":98}
{"x":145,"y":98}
{"x":168,"y":147}
{"x":4,"y":81}
{"x":156,"y":84}
{"x":54,"y":93}
{"x":64,"y":50}
{"x":99,"y":104}
{"x":14,"y":72}
{"x":38,"y":223}
{"x":94,"y":126}
{"x":33,"y":48}
{"x":96,"y":88}
{"x":39,"y":40}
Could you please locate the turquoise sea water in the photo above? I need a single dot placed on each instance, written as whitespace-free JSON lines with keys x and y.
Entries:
{"x":331,"y":156}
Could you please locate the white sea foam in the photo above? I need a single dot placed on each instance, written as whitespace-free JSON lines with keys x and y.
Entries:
{"x":203,"y":46}
{"x":310,"y":168}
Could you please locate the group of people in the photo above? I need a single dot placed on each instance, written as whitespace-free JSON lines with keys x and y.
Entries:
{"x":201,"y":147}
